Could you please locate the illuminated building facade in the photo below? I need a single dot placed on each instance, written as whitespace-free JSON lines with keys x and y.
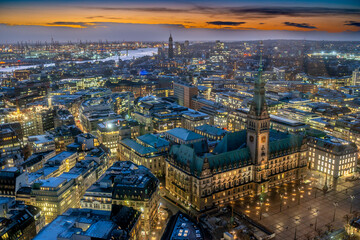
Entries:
{"x":128,"y":184}
{"x":243,"y":163}
{"x":53,"y":196}
{"x":11,"y":138}
{"x":332,"y":156}
{"x":193,"y":119}
{"x":108,"y":134}
{"x":11,"y":179}
{"x":148,"y":150}
{"x":184,"y":93}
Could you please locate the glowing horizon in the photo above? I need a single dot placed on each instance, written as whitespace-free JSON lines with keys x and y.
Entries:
{"x":300,"y":16}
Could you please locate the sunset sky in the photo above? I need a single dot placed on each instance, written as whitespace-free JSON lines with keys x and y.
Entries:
{"x":194,"y":20}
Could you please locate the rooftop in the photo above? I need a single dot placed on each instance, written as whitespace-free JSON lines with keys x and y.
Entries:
{"x":181,"y":227}
{"x":39,"y":139}
{"x":184,"y":134}
{"x":66,"y":225}
{"x":138,"y":147}
{"x":212,"y":130}
{"x":61,"y":156}
{"x":153,"y":140}
{"x":52,"y":182}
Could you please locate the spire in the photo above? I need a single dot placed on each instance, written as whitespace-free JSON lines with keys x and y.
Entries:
{"x":171,"y":48}
{"x":259,"y":88}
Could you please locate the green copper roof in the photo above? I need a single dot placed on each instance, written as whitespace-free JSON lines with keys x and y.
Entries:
{"x":186,"y":156}
{"x":231,"y":159}
{"x":285,"y":142}
{"x":230,"y":142}
{"x":231,"y":152}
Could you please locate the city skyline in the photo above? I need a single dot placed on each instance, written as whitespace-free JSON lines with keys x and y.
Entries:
{"x":170,"y":120}
{"x":186,"y":20}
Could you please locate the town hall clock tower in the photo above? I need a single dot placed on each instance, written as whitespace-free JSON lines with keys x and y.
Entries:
{"x":258,"y":127}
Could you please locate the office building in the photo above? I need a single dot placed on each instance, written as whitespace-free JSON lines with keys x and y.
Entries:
{"x":130,"y":185}
{"x":192,"y":119}
{"x":41,"y":143}
{"x":148,"y":150}
{"x":11,"y":179}
{"x":11,"y":138}
{"x":355,"y":77}
{"x":20,"y":221}
{"x":184,"y":93}
{"x":333,"y":156}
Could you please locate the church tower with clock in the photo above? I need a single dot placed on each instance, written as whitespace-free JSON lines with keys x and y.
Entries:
{"x":258,"y":128}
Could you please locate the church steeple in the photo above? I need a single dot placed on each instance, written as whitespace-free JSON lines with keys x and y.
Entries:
{"x":171,"y":47}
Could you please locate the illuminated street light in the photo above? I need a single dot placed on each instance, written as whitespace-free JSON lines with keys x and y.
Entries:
{"x":336,"y":204}
{"x":352,"y":197}
{"x":316,"y":213}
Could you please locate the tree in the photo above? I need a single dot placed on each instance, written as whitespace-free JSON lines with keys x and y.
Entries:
{"x":346,"y":218}
{"x":329,"y":227}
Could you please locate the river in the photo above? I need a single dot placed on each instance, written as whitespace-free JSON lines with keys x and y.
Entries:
{"x":132,"y":54}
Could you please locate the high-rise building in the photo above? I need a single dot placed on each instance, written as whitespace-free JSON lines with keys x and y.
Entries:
{"x":184,"y":93}
{"x":171,"y":47}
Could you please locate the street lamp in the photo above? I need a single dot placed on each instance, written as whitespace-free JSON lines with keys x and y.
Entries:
{"x":232,"y":214}
{"x":316,"y":216}
{"x":336,"y":204}
{"x":297,"y":221}
{"x":299,"y":195}
{"x":261,"y":203}
{"x":351,"y":199}
{"x":281,"y":200}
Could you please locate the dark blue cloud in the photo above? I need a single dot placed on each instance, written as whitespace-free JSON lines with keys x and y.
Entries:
{"x":352,"y":23}
{"x":225,"y":23}
{"x":299,"y":25}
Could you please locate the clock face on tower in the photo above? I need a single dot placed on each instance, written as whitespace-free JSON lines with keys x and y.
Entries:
{"x":251,"y":138}
{"x":263,"y":139}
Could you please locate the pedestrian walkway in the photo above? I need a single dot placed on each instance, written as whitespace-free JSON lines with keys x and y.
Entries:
{"x":321,"y":211}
